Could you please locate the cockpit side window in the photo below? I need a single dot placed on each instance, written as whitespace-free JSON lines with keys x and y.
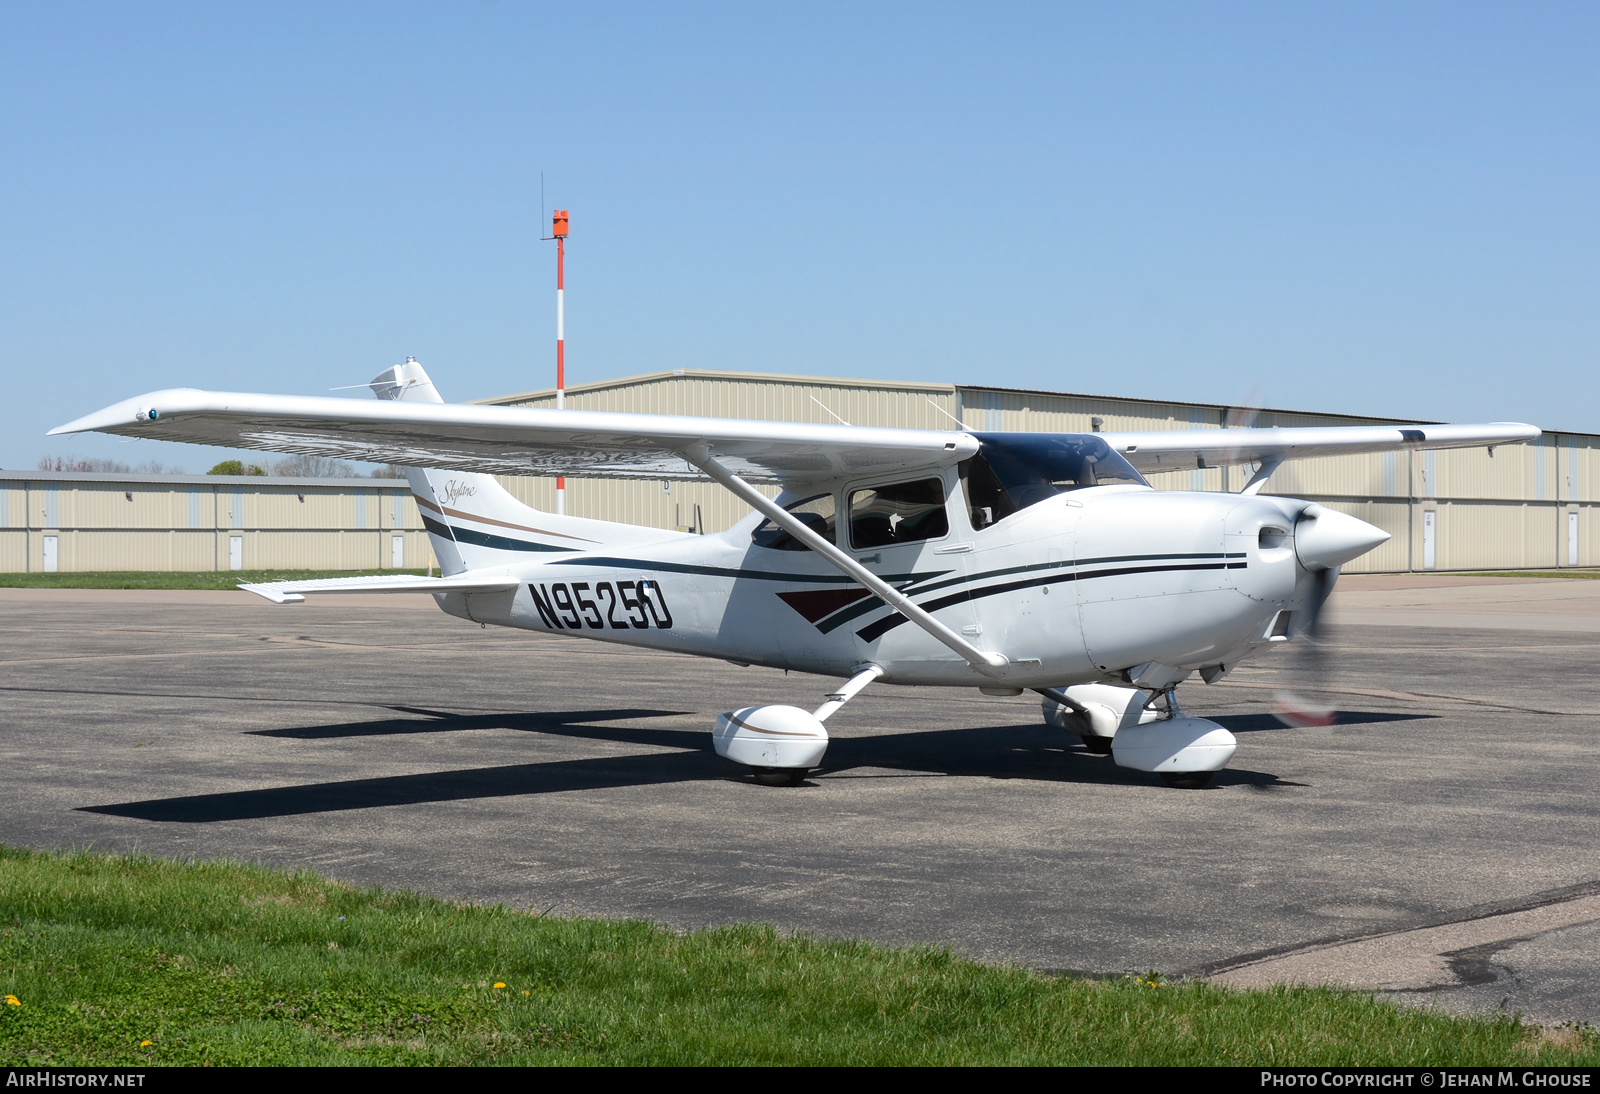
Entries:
{"x":816,"y":512}
{"x":903,"y":512}
{"x":1015,"y":470}
{"x":987,"y":500}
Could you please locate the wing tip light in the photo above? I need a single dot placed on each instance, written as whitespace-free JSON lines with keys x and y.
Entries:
{"x":140,"y":408}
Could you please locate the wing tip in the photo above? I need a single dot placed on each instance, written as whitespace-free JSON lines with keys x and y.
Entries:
{"x":272,"y":592}
{"x":132,"y":411}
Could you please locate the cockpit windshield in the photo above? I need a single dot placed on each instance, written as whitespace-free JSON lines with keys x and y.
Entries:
{"x":1015,"y":470}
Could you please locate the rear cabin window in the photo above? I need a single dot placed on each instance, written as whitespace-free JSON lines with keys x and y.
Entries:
{"x":904,"y":512}
{"x":817,"y":513}
{"x":1015,"y":470}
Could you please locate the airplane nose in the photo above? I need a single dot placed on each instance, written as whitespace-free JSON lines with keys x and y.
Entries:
{"x":1325,"y":538}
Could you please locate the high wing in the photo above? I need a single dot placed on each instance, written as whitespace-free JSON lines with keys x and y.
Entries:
{"x":1177,"y":449}
{"x":517,"y":441}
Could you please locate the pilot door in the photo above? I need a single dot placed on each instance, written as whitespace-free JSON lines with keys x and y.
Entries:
{"x":903,"y":531}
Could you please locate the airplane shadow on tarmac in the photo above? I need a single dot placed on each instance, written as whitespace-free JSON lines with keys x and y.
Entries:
{"x":1032,"y":751}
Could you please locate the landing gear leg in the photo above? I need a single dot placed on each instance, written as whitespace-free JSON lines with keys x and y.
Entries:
{"x":1169,"y":700}
{"x":864,"y":675}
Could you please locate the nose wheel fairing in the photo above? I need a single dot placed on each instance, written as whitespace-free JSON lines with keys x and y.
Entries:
{"x":1179,"y":745}
{"x":1125,"y":724}
{"x":771,"y":738}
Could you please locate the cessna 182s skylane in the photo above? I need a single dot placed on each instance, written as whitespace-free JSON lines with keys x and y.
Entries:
{"x":1001,"y":561}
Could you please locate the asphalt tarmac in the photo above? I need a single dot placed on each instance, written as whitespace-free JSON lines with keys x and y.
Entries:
{"x":1440,"y":843}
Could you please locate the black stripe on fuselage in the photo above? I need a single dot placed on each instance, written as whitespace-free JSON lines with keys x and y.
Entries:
{"x":736,"y":573}
{"x":865,"y":607}
{"x":872,"y":632}
{"x":484,"y":539}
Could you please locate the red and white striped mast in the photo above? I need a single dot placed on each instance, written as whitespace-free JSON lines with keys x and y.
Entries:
{"x":558,"y":229}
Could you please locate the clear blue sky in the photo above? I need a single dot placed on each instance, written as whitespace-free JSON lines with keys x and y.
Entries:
{"x":1375,"y":208}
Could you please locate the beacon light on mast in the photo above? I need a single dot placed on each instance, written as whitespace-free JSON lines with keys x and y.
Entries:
{"x":558,"y":229}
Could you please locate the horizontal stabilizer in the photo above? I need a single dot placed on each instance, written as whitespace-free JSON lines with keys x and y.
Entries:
{"x":293,"y":592}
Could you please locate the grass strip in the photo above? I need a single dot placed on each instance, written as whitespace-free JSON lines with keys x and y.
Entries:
{"x":167,"y":579}
{"x":1591,"y":574}
{"x":129,"y":961}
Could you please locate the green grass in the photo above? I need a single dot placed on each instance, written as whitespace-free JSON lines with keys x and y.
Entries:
{"x":1533,"y":573}
{"x":166,"y":579}
{"x":119,"y":961}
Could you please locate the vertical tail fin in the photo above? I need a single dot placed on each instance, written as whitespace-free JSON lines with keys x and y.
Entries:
{"x":475,"y":523}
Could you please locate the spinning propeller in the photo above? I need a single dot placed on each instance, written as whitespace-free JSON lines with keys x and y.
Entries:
{"x":1324,"y":539}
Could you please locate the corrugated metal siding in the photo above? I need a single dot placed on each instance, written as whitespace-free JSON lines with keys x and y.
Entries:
{"x":173,"y":549}
{"x":766,"y":399}
{"x":1489,"y":520}
{"x":13,"y":551}
{"x":145,"y":523}
{"x":1487,"y":536}
{"x":734,"y":395}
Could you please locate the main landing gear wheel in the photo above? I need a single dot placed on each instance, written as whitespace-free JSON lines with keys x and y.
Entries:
{"x":1186,"y":780}
{"x":780,"y":776}
{"x":1099,"y":746}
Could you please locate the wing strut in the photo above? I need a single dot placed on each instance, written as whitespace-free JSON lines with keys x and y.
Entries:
{"x":990,"y":664}
{"x":1269,"y":464}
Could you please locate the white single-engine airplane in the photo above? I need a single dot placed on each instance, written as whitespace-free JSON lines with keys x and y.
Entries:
{"x":1001,"y":561}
